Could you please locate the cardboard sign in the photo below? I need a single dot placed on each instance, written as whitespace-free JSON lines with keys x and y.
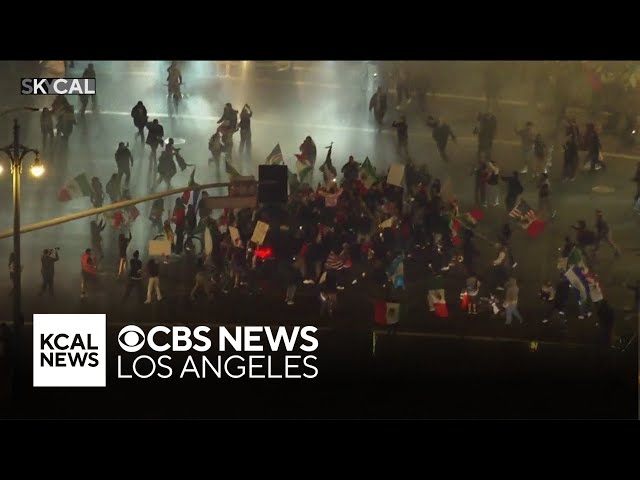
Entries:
{"x":208,"y":242}
{"x":235,"y":237}
{"x":396,"y":175}
{"x":260,"y":232}
{"x":159,"y":248}
{"x":388,"y":223}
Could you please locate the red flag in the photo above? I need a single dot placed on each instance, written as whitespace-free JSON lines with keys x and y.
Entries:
{"x":441,"y":310}
{"x":535,"y":228}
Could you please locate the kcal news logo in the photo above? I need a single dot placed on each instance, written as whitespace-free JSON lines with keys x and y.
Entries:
{"x":58,"y":86}
{"x":69,"y":350}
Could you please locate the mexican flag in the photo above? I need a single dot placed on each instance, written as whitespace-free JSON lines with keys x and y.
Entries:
{"x":304,"y":169}
{"x":576,"y":258}
{"x":367,"y":173}
{"x":386,"y":313}
{"x":578,"y":280}
{"x":120,"y":218}
{"x":77,"y":187}
{"x":232,"y":172}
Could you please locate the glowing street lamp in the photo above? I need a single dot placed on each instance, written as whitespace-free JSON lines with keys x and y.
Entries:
{"x":16,"y":153}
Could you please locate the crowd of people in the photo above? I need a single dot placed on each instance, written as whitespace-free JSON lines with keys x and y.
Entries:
{"x":349,"y":228}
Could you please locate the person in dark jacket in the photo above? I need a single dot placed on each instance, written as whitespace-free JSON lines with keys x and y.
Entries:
{"x":230,"y":115}
{"x":378,"y":104}
{"x":155,"y":136}
{"x":350,"y":170}
{"x":124,"y":162}
{"x":544,"y":193}
{"x":89,"y":72}
{"x":308,"y":150}
{"x":514,"y":190}
{"x":571,"y":159}
{"x":46,"y":126}
{"x":403,"y":136}
{"x":245,"y":130}
{"x":140,"y":118}
{"x":559,"y":302}
{"x":48,"y":261}
{"x":603,"y":233}
{"x":135,"y":278}
{"x":594,"y":148}
{"x":441,"y":134}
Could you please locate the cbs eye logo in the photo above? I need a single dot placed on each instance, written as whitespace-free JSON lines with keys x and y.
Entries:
{"x":131,"y":338}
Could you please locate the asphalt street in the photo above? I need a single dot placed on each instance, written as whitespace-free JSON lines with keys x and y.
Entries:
{"x":327,"y":101}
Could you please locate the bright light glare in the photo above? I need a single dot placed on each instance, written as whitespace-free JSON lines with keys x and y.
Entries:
{"x":1,"y":169}
{"x":37,"y":170}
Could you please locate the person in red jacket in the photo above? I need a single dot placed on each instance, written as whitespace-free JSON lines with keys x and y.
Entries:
{"x":88,"y":272}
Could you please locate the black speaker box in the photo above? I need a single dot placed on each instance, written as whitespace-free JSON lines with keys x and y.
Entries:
{"x":276,"y":188}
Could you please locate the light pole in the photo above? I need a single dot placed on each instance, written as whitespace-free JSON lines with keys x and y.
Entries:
{"x":16,"y":153}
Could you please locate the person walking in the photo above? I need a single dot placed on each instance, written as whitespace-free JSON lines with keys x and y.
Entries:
{"x":48,"y":269}
{"x":124,"y":162}
{"x":603,"y":233}
{"x":441,"y":134}
{"x":493,"y":190}
{"x":140,"y":118}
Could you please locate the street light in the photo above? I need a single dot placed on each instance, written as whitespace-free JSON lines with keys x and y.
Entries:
{"x":16,"y":153}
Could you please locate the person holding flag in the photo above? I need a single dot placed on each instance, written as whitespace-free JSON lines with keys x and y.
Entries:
{"x":245,"y":130}
{"x":329,"y":172}
{"x":308,"y":150}
{"x":350,"y":170}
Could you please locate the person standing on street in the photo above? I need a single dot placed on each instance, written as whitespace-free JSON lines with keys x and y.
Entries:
{"x":378,"y":104}
{"x":154,"y":280}
{"x":48,"y":269}
{"x":511,"y":301}
{"x":124,"y":162}
{"x":245,"y":130}
{"x":403,"y":136}
{"x":135,"y":278}
{"x":113,"y":188}
{"x":88,"y":272}
{"x":46,"y":127}
{"x":155,"y":136}
{"x":89,"y":72}
{"x":603,"y":233}
{"x":514,"y":190}
{"x":308,"y":150}
{"x":441,"y":134}
{"x":544,"y":191}
{"x":493,"y":190}
{"x":123,"y":243}
{"x":140,"y":118}
{"x":594,"y":148}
